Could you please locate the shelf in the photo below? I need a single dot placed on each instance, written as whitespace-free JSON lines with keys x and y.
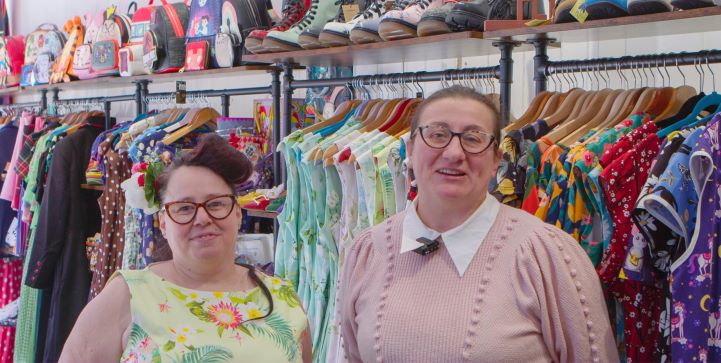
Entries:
{"x":123,"y":82}
{"x":92,"y":187}
{"x":444,"y":46}
{"x":641,"y":26}
{"x":260,"y":213}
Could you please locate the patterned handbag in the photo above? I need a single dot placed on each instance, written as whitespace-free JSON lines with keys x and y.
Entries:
{"x":83,"y":57}
{"x":203,"y":25}
{"x":131,"y":56}
{"x":113,"y":34}
{"x":47,"y":38}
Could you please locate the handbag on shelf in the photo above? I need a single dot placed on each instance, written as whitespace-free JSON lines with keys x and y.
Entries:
{"x":83,"y":57}
{"x":46,"y":39}
{"x":113,"y":35}
{"x":203,"y":25}
{"x":164,"y":43}
{"x":131,"y":55}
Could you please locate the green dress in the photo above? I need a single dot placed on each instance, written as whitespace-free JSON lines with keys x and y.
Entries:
{"x":171,"y":323}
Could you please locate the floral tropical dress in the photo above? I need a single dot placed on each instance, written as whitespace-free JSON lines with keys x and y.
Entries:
{"x":171,"y":323}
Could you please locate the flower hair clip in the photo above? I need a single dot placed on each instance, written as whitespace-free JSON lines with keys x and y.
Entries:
{"x":141,"y":189}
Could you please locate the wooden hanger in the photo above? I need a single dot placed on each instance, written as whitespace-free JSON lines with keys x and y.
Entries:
{"x":627,"y":100}
{"x":565,"y":108}
{"x":590,"y":107}
{"x":599,"y":116}
{"x":682,"y":94}
{"x":198,"y":118}
{"x":532,"y":112}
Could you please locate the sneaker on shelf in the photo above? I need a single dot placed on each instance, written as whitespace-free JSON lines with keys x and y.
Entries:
{"x":366,"y":31}
{"x":337,"y":34}
{"x":469,"y":15}
{"x":292,"y":13}
{"x":319,"y":14}
{"x":403,"y":24}
{"x":433,"y":22}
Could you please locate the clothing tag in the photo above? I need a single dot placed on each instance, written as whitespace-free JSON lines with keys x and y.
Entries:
{"x":578,"y":13}
{"x":180,"y":92}
{"x":350,"y":11}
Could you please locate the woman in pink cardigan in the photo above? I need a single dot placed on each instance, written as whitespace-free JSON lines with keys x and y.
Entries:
{"x":458,"y":277}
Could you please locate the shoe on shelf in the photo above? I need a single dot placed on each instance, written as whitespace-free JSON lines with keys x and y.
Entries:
{"x":366,"y":31}
{"x":469,"y":15}
{"x":433,"y":22}
{"x":292,"y":13}
{"x":403,"y":24}
{"x":643,"y":7}
{"x":336,"y":34}
{"x":309,"y":38}
{"x":320,"y":13}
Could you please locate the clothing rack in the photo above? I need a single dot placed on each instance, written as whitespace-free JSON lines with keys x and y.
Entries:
{"x":544,"y":67}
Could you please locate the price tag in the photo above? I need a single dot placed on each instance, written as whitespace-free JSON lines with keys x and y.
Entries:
{"x":350,"y":11}
{"x":578,"y":13}
{"x":150,"y":57}
{"x":180,"y":92}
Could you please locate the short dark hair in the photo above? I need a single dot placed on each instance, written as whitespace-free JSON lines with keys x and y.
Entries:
{"x":463,"y":93}
{"x":215,"y":153}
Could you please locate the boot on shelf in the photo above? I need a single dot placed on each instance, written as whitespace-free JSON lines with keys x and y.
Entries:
{"x":433,"y":22}
{"x":309,"y":38}
{"x":292,"y":13}
{"x":319,"y":14}
{"x":366,"y":31}
{"x":397,"y":24}
{"x":336,"y":34}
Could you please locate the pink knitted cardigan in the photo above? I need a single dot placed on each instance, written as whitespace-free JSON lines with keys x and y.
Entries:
{"x":530,"y":295}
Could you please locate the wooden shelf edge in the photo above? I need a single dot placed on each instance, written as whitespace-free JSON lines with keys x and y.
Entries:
{"x":260,"y":213}
{"x":281,"y":57}
{"x":116,"y":81}
{"x":626,"y":20}
{"x":92,"y":187}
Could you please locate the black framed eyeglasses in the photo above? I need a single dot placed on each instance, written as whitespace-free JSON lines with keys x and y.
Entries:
{"x":218,"y":208}
{"x":440,"y":136}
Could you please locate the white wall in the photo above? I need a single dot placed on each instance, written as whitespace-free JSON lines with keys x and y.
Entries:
{"x":27,"y":14}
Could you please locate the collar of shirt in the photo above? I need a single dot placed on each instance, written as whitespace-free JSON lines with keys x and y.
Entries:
{"x":462,"y":242}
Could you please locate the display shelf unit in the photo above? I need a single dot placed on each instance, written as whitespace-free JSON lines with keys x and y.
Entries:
{"x":437,"y":47}
{"x":640,"y":26}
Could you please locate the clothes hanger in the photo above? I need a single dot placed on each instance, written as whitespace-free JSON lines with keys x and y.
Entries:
{"x":710,"y":100}
{"x":589,"y":111}
{"x":597,"y":115}
{"x":198,"y":118}
{"x":532,"y":112}
{"x":566,"y":107}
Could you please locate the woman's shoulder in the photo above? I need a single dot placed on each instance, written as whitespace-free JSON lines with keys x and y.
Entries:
{"x":540,"y":240}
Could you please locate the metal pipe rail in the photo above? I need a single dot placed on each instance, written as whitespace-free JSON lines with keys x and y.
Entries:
{"x":394,"y":78}
{"x":629,"y":62}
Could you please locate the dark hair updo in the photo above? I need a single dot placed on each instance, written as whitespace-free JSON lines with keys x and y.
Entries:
{"x":215,"y":153}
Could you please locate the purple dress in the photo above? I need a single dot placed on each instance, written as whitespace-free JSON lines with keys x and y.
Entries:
{"x":696,"y":310}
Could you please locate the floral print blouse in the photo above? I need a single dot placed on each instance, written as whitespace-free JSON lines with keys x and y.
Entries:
{"x":171,"y":323}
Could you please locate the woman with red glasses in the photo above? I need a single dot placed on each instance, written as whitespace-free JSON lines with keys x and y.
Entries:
{"x":200,"y":306}
{"x":458,"y":277}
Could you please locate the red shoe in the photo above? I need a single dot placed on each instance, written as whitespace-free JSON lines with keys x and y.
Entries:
{"x":293,"y":13}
